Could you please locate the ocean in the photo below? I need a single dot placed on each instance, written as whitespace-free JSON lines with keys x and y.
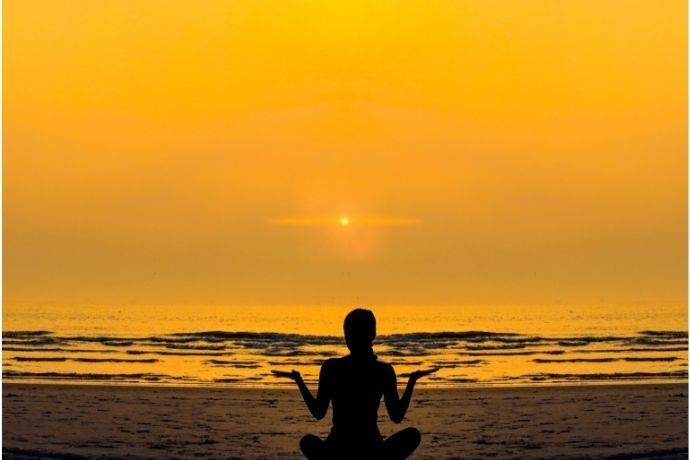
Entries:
{"x":238,"y":346}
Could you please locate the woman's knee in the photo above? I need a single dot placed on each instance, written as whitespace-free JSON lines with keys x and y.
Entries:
{"x":402,"y":444}
{"x":415,"y":436}
{"x":311,"y":446}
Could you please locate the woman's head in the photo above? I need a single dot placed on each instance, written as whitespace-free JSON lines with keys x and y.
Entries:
{"x":360,"y":330}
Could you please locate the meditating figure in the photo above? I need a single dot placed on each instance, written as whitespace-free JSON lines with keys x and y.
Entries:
{"x":355,"y":384}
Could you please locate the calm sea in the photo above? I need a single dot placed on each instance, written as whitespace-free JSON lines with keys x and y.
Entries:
{"x":239,"y":345}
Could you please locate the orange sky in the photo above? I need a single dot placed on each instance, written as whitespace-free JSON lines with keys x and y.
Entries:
{"x":535,"y":150}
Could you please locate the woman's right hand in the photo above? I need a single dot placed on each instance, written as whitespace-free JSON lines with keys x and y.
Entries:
{"x":293,"y":375}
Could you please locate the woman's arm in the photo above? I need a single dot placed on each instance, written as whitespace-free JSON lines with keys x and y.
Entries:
{"x":318,"y":406}
{"x":397,"y":407}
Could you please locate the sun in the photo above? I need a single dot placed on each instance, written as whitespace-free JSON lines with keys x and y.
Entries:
{"x":344,"y":221}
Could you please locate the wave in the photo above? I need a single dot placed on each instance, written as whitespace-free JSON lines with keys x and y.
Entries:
{"x":237,"y":379}
{"x":607,"y":360}
{"x":635,"y":350}
{"x":179,"y":353}
{"x":472,"y":340}
{"x":181,"y":346}
{"x":39,"y":360}
{"x":556,"y":377}
{"x":667,"y":334}
{"x":56,"y":349}
{"x":39,"y":354}
{"x":418,"y":344}
{"x":236,"y":364}
{"x":512,"y":353}
{"x":24,"y":334}
{"x":136,"y":377}
{"x":82,"y":360}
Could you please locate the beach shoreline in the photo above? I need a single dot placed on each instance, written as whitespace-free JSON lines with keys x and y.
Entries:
{"x":128,"y":421}
{"x":289,"y":386}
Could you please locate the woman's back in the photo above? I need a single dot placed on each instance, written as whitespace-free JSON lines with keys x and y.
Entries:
{"x":356,"y":388}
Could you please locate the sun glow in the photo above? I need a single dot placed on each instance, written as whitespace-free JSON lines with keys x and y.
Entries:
{"x":347,"y":236}
{"x":210,"y":152}
{"x":344,"y":221}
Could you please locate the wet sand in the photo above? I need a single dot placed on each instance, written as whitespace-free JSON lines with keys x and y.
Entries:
{"x":72,"y":421}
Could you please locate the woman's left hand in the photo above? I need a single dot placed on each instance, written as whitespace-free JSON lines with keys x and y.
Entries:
{"x":416,"y":375}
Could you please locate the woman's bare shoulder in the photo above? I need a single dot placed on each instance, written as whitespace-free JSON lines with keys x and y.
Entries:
{"x":385,"y":367}
{"x":331,"y":363}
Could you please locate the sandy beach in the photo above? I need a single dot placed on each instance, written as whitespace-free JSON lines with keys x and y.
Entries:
{"x":98,"y":421}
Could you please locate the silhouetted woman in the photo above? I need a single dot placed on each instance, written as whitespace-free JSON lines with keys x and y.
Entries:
{"x":355,"y":384}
